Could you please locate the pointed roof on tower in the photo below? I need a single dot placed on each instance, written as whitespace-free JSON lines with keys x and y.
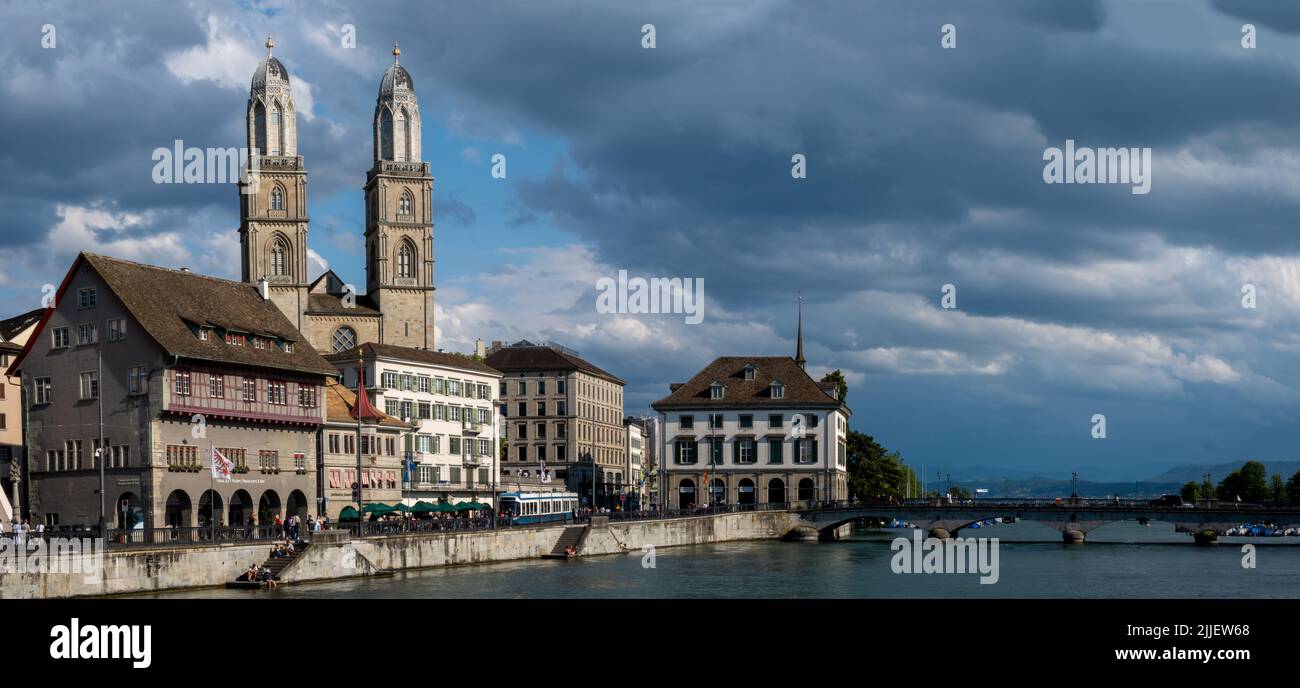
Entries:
{"x":798,"y":355}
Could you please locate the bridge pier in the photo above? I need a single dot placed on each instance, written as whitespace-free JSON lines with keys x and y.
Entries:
{"x":1073,"y":537}
{"x":1206,"y":537}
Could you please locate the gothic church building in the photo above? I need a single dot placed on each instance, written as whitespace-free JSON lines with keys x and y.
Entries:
{"x":397,"y":306}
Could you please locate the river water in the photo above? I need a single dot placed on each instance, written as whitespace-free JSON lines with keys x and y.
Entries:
{"x":1119,"y":560}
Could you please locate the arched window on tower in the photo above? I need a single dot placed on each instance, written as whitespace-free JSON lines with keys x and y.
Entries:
{"x":279,"y":258}
{"x":386,"y":135}
{"x":405,"y":261}
{"x":276,"y":131}
{"x":405,"y":204}
{"x":277,"y":198}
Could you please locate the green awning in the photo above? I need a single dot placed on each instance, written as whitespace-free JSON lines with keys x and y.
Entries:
{"x":348,"y":514}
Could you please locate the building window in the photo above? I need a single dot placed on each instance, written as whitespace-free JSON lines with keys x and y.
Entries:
{"x":404,"y":204}
{"x":277,"y":203}
{"x":307,"y":396}
{"x":181,"y":384}
{"x":405,"y":261}
{"x":778,"y":390}
{"x":750,"y":371}
{"x":745,"y":451}
{"x":561,"y":408}
{"x":687,"y":422}
{"x":775,"y":448}
{"x":746,"y":421}
{"x":116,"y":329}
{"x":541,"y":408}
{"x":775,"y":420}
{"x":217,"y":386}
{"x":344,"y":338}
{"x":523,"y":387}
{"x":250,"y":389}
{"x":268,"y":461}
{"x":61,"y":338}
{"x":43,"y":390}
{"x":804,"y":451}
{"x":716,"y":391}
{"x":559,"y":386}
{"x":86,"y":297}
{"x":715,"y":421}
{"x":715,"y":450}
{"x":523,"y":453}
{"x":276,"y":392}
{"x":87,"y":333}
{"x":685,"y":451}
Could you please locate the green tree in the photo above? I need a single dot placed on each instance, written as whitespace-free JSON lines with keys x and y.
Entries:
{"x":1207,"y":487}
{"x":1247,"y":483}
{"x":1191,"y":491}
{"x":841,"y":385}
{"x":875,"y":473}
{"x":1276,"y":488}
{"x":1293,"y":489}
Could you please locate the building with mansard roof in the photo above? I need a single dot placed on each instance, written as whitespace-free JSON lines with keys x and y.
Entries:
{"x":752,"y":429}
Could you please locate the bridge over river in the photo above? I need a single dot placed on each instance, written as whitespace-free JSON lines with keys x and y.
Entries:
{"x":1073,"y":517}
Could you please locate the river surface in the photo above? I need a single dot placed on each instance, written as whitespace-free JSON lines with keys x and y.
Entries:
{"x":1119,"y":560}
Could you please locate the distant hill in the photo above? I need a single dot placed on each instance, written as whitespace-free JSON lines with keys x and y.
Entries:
{"x":1182,"y":474}
{"x":1047,"y":488}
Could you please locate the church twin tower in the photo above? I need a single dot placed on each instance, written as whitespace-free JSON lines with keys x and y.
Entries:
{"x":397,"y":307}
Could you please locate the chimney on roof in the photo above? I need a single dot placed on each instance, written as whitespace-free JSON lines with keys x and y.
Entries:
{"x":496,"y":345}
{"x":479,"y":349}
{"x":263,"y":288}
{"x":184,"y":269}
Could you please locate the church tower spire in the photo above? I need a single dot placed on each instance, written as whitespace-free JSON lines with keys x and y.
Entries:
{"x":273,"y":196}
{"x":399,"y":216}
{"x":798,"y":355}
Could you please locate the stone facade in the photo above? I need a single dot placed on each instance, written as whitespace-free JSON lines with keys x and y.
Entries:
{"x":397,"y":306}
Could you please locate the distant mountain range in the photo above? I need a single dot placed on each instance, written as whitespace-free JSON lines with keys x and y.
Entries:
{"x":1024,"y":484}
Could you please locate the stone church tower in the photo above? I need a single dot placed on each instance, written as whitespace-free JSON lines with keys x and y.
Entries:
{"x":397,"y":306}
{"x":399,"y":216}
{"x":273,"y":202}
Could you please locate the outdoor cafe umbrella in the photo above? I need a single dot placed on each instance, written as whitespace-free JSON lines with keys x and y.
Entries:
{"x":470,"y":506}
{"x":378,"y":508}
{"x":348,"y":514}
{"x":424,"y":508}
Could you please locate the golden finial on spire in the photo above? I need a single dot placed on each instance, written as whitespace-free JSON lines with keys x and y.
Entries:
{"x":396,"y":51}
{"x":269,"y":44}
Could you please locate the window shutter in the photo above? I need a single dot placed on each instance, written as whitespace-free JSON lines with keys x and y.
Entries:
{"x":814,"y":449}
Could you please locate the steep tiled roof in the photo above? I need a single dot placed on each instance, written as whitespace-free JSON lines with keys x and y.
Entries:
{"x":167,"y":303}
{"x":729,"y":371}
{"x":517,"y":358}
{"x":373,"y":351}
{"x":339,"y":401}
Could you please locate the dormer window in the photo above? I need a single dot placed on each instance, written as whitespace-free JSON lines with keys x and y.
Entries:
{"x":778,"y":390}
{"x":750,"y":371}
{"x":203,"y":334}
{"x":716,"y":390}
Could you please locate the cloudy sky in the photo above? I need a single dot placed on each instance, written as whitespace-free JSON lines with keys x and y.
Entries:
{"x":924,"y":168}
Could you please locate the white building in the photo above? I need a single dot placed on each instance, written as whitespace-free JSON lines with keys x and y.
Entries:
{"x":636,"y":484}
{"x":749,"y":430}
{"x":451,"y":454}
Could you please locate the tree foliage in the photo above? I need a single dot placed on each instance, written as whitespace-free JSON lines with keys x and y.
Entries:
{"x":1249,"y":483}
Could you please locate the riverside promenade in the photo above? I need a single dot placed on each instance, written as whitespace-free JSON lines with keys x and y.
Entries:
{"x":381,"y":548}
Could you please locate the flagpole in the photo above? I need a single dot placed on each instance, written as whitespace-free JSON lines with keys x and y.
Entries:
{"x":212,"y":487}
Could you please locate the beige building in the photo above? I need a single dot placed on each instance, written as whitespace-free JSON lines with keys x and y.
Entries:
{"x":381,"y":453}
{"x":397,"y":305}
{"x":14,"y":333}
{"x":144,"y":371}
{"x":564,"y":415}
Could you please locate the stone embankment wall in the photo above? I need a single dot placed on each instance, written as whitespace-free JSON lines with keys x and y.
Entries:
{"x":337,"y":556}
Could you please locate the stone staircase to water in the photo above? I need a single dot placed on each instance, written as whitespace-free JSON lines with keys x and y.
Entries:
{"x":572,"y":536}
